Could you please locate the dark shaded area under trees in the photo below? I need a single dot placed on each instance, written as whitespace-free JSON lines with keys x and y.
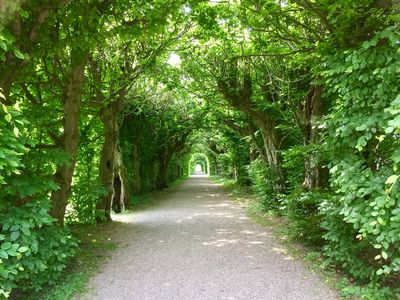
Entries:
{"x":104,"y":100}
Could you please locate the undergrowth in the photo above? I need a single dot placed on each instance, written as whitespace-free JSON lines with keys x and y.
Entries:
{"x":94,"y":248}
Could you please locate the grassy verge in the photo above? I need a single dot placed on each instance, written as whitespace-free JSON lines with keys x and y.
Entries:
{"x":139,"y":202}
{"x":146,"y":200}
{"x":178,"y":181}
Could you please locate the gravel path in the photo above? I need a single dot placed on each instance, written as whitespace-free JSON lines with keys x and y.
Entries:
{"x":195,"y":243}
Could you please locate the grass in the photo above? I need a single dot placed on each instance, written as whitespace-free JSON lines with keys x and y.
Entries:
{"x":178,"y":181}
{"x":139,"y":202}
{"x":145,"y":200}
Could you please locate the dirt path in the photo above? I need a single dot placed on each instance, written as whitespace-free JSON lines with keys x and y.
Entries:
{"x":197,"y":244}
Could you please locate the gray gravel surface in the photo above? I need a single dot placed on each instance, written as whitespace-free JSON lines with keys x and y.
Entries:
{"x":195,"y":243}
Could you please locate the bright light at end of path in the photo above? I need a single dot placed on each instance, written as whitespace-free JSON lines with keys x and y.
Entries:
{"x":174,"y":60}
{"x":198,"y":168}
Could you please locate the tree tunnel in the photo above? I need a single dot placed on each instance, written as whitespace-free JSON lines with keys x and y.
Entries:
{"x":199,"y":159}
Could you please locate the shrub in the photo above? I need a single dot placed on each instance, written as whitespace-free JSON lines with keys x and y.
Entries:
{"x":264,"y":185}
{"x":85,"y":196}
{"x":33,"y":250}
{"x":303,"y":211}
{"x":293,"y":164}
{"x":362,"y":221}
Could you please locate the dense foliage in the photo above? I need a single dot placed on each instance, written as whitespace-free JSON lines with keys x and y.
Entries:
{"x":363,"y":148}
{"x":33,"y":251}
{"x":103,"y":100}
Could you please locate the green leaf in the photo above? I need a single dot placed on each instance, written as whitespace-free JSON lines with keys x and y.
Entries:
{"x":392,"y":179}
{"x":26,"y":231}
{"x":19,"y":54}
{"x":381,"y":221}
{"x":16,"y":131}
{"x":23,"y":249}
{"x":14,"y":236}
{"x":3,"y":46}
{"x":8,"y":117}
{"x":15,"y":227}
{"x":384,"y":255}
{"x":6,"y":246}
{"x":3,"y":254}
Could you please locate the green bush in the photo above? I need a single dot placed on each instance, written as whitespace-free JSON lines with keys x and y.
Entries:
{"x":363,"y":220}
{"x":33,"y":250}
{"x":341,"y":247}
{"x":293,"y":164}
{"x":370,"y":291}
{"x":85,"y":196}
{"x":11,"y":146}
{"x":264,"y":180}
{"x":303,"y":210}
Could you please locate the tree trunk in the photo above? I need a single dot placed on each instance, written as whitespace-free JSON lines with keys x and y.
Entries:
{"x":108,"y":115}
{"x":271,"y":142}
{"x":69,"y":141}
{"x":271,"y":147}
{"x":234,"y":171}
{"x":315,"y":175}
{"x":136,"y":176}
{"x":175,"y":145}
{"x":217,"y":167}
{"x":238,"y":94}
{"x":116,"y":201}
{"x":259,"y":149}
{"x":121,"y":191}
{"x":161,"y":182}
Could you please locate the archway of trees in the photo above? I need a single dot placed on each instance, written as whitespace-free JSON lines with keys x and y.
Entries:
{"x":199,"y":159}
{"x":103,"y":100}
